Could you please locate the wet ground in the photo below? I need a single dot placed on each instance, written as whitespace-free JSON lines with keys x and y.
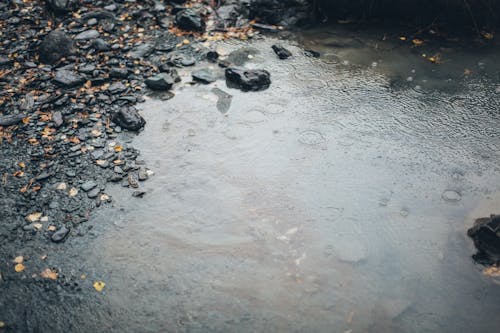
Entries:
{"x":335,"y":201}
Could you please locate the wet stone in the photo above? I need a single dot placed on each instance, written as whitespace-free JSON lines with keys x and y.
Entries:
{"x":138,"y":194}
{"x":117,"y":72}
{"x":129,"y":119}
{"x":248,"y":79}
{"x":180,"y":59}
{"x":88,"y":185}
{"x":189,"y":20}
{"x":101,"y":45}
{"x":160,"y":82}
{"x":68,"y":79}
{"x":132,"y":181}
{"x":94,"y":193}
{"x":204,"y":75}
{"x":281,"y":52}
{"x":486,"y":236}
{"x":59,"y":235}
{"x":142,"y":174}
{"x":87,"y":35}
{"x":11,"y":119}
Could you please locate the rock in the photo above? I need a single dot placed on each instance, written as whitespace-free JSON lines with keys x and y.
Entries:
{"x":68,"y":79}
{"x":129,"y":119}
{"x":223,"y":100}
{"x":248,"y":79}
{"x":188,"y":19}
{"x":212,"y":56}
{"x":312,"y":53}
{"x":204,"y":75}
{"x":56,"y":45}
{"x":11,"y":119}
{"x":117,"y":87}
{"x":60,"y":234}
{"x":100,"y":45}
{"x":281,"y":52}
{"x":94,"y":192}
{"x":59,"y":6}
{"x":142,"y":174}
{"x":88,"y":185}
{"x":141,"y":51}
{"x":119,"y":73}
{"x":132,"y":181}
{"x":180,"y":60}
{"x":138,"y":194}
{"x":161,"y":82}
{"x":166,"y":43}
{"x":486,"y":236}
{"x":88,"y":34}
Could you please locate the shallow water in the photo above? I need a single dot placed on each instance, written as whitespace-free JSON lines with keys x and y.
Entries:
{"x":336,"y":201}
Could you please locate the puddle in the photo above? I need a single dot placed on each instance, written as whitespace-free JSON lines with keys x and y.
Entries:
{"x":245,"y":228}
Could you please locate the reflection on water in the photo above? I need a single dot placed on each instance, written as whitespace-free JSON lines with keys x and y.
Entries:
{"x":331,"y":202}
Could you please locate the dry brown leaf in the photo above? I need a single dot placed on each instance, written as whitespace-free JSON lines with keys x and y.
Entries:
{"x":33,"y":217}
{"x":19,"y":268}
{"x":99,"y":285}
{"x":49,"y":274}
{"x":19,"y":259}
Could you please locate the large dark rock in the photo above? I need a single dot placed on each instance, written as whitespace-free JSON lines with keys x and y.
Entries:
{"x":160,"y":82}
{"x":486,"y":236}
{"x":59,"y":6}
{"x":248,"y":79}
{"x":129,"y":118}
{"x":11,"y":119}
{"x":55,"y":46}
{"x":188,"y":19}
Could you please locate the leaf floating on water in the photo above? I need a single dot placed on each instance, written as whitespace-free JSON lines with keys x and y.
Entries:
{"x":19,"y":268}
{"x":49,"y":274}
{"x":99,"y":285}
{"x":492,"y":271}
{"x":33,"y":217}
{"x":118,"y":149}
{"x":2,"y":324}
{"x":403,"y":38}
{"x":417,"y":42}
{"x":487,"y":35}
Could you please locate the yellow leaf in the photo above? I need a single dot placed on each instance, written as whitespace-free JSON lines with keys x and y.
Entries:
{"x":21,"y":165}
{"x":19,"y":259}
{"x":19,"y":268}
{"x":33,"y":217}
{"x":118,"y":149}
{"x":49,"y":274}
{"x":2,"y":324}
{"x":403,"y":38}
{"x":52,"y":228}
{"x":99,"y":285}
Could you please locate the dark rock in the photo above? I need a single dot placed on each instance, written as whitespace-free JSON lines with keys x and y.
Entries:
{"x":129,"y":119}
{"x":161,"y":82}
{"x":141,"y":51}
{"x":212,"y":56}
{"x":486,"y":236}
{"x":188,"y":19}
{"x":11,"y":119}
{"x":117,"y":87}
{"x":120,"y":73}
{"x":281,"y":52}
{"x":166,"y":43}
{"x":248,"y":79}
{"x":312,"y":53}
{"x":138,"y":194}
{"x":68,"y":79}
{"x":60,"y":234}
{"x":59,"y":6}
{"x":88,"y":185}
{"x":55,"y":46}
{"x":204,"y":75}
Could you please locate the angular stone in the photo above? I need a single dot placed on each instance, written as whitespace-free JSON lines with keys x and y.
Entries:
{"x":129,"y":119}
{"x":88,"y":34}
{"x":56,"y":45}
{"x":162,"y":82}
{"x":188,"y":19}
{"x":281,"y":52}
{"x":60,"y":234}
{"x":204,"y":75}
{"x":248,"y":79}
{"x":68,"y":79}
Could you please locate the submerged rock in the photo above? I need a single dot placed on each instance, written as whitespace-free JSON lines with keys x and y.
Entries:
{"x":486,"y":236}
{"x":204,"y":75}
{"x":248,"y":79}
{"x":129,"y":118}
{"x":55,"y":46}
{"x":281,"y":52}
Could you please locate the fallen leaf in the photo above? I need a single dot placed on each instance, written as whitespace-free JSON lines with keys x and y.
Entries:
{"x":19,"y":259}
{"x":61,"y":186}
{"x":2,"y":324}
{"x":118,"y":149}
{"x":19,"y":268}
{"x":417,"y":42}
{"x":21,"y":165}
{"x":403,"y":38}
{"x":33,"y":217}
{"x":72,"y":192}
{"x":487,"y":35}
{"x":99,"y":285}
{"x":18,"y":173}
{"x":37,"y":226}
{"x":52,"y":228}
{"x":49,"y":274}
